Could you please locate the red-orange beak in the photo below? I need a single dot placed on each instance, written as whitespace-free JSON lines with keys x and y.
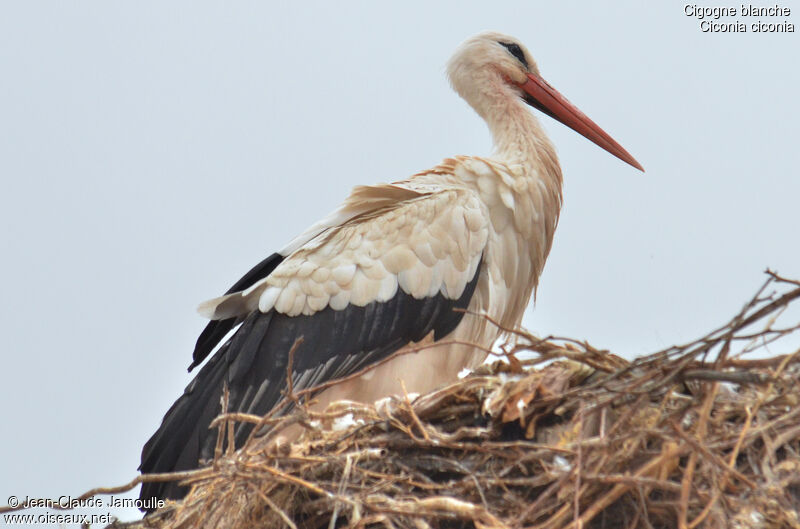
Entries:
{"x":547,"y":99}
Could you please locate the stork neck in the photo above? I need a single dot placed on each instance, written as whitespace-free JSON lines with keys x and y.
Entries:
{"x":518,"y":136}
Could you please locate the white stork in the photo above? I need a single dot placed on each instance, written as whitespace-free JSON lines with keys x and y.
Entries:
{"x":386,"y":270}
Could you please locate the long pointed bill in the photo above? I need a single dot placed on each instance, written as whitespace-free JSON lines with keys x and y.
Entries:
{"x":547,"y":99}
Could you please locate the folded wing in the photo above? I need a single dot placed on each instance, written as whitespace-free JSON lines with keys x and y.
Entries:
{"x":389,"y":275}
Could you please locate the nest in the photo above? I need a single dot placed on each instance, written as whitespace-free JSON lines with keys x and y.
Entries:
{"x":693,"y":436}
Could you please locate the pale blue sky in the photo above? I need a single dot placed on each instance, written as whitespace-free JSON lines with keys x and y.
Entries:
{"x":151,"y":152}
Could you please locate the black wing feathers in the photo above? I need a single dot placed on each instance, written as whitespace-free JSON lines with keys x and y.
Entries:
{"x":253,"y":363}
{"x":217,"y":329}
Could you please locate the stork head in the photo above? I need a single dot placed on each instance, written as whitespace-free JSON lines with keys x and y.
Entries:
{"x":491,"y":69}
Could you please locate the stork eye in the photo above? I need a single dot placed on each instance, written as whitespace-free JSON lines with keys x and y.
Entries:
{"x":516,"y":51}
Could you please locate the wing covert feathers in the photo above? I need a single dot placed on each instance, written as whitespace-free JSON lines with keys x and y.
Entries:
{"x":426,"y":244}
